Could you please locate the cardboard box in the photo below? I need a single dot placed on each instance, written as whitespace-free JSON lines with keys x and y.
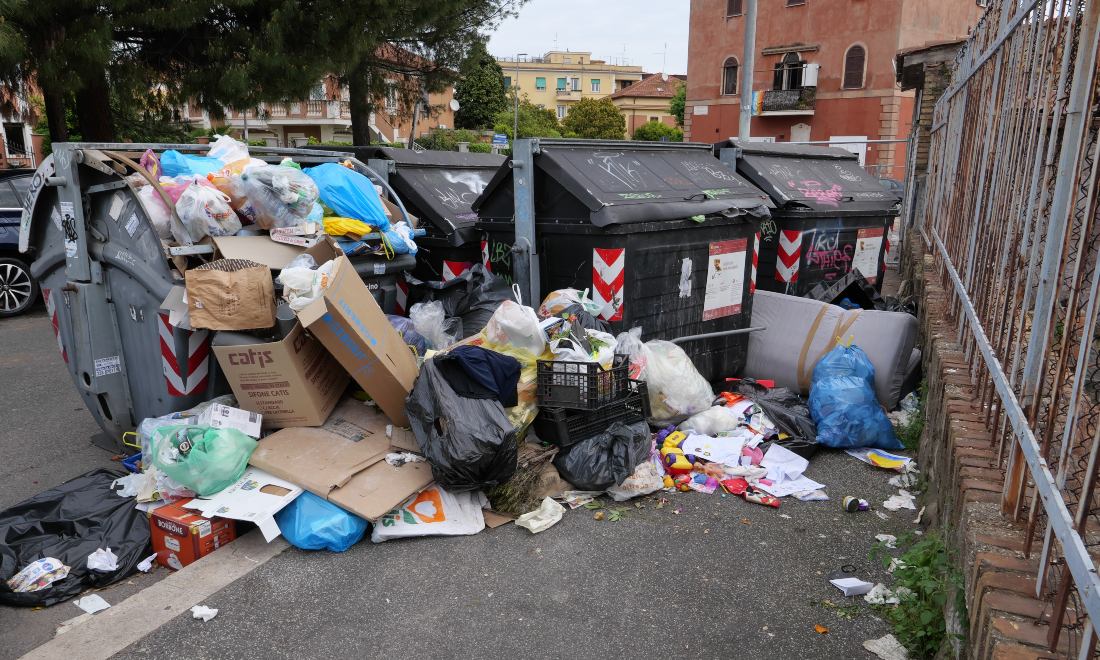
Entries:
{"x":260,"y":249}
{"x":351,"y":325}
{"x":219,"y":416}
{"x":256,"y":497}
{"x":295,"y":382}
{"x":342,"y":461}
{"x":182,"y":537}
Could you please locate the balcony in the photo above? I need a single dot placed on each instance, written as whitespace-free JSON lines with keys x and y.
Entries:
{"x":569,"y":94}
{"x":789,"y":101}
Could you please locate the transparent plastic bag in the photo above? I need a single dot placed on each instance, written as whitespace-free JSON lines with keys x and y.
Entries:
{"x":428,"y":319}
{"x":301,"y":286}
{"x":283,"y":196}
{"x":157,"y":211}
{"x":711,"y":421}
{"x":567,"y":349}
{"x":300,"y":261}
{"x":202,"y":458}
{"x":228,"y":150}
{"x":205,"y":211}
{"x":517,"y":325}
{"x":675,"y":386}
{"x":149,"y":425}
{"x":558,"y":300}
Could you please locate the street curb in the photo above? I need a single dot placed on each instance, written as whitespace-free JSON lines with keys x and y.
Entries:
{"x":116,"y":628}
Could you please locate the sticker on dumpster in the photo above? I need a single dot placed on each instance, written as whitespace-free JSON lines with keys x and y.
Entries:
{"x":608,"y":267}
{"x":132,"y":225}
{"x":109,"y":365}
{"x":379,"y":269}
{"x":790,"y":251}
{"x":725,"y":279}
{"x":56,"y":217}
{"x":868,"y":243}
{"x":116,"y":207}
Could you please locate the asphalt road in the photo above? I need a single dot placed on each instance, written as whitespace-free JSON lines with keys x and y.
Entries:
{"x":722,"y":577}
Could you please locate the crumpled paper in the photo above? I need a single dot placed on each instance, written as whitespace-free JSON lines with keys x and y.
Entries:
{"x":543,"y":518}
{"x":146,"y":564}
{"x":903,"y":500}
{"x":203,"y":612}
{"x":887,"y":648}
{"x":103,"y":560}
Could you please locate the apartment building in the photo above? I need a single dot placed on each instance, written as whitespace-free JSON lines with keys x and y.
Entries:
{"x":559,"y":79}
{"x":648,"y":100}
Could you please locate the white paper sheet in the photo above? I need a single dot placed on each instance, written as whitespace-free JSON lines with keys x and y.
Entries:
{"x":246,"y":500}
{"x":92,"y":603}
{"x":716,"y":450}
{"x":784,"y":465}
{"x":787,"y":487}
{"x":852,"y":586}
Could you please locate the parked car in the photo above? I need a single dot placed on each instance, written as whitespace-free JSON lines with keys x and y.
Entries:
{"x":18,"y":290}
{"x":895,"y":186}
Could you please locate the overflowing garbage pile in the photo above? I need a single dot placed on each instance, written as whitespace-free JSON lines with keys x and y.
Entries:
{"x":475,"y":410}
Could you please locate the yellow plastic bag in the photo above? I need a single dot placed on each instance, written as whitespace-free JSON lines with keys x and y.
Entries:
{"x":335,"y":226}
{"x":524,"y":413}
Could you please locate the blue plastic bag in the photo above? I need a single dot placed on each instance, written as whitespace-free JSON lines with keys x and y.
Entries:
{"x":349,"y":194}
{"x":845,"y":361}
{"x":174,"y":164}
{"x":848,"y":415}
{"x":409,"y":334}
{"x":311,"y":523}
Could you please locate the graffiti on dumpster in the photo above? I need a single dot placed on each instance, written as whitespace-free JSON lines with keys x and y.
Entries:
{"x":500,"y":259}
{"x":828,"y":256}
{"x":815,"y":191}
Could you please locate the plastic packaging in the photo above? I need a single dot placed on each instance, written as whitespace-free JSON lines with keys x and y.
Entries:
{"x":557,"y":302}
{"x":311,"y":523}
{"x":37,"y":575}
{"x":176,"y":164}
{"x":282,"y":196}
{"x":433,"y":512}
{"x":675,"y":386}
{"x":301,"y":286}
{"x":568,"y":349}
{"x":151,"y":163}
{"x":607,"y":459}
{"x":67,"y":523}
{"x":789,"y":413}
{"x":301,"y":261}
{"x":336,"y":226}
{"x":427,"y":319}
{"x":470,"y":443}
{"x":517,"y":325}
{"x":103,"y":560}
{"x":848,"y":415}
{"x":409,"y":335}
{"x":149,"y":425}
{"x":542,"y":518}
{"x":645,"y":480}
{"x":582,"y":317}
{"x":404,"y":243}
{"x":711,"y":421}
{"x":157,"y":211}
{"x":204,"y":459}
{"x":349,"y":194}
{"x":228,"y":150}
{"x":205,"y":211}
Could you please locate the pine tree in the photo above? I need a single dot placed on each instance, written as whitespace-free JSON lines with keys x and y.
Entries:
{"x":480,"y":93}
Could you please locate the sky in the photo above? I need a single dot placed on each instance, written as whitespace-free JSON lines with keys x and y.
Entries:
{"x":603,"y":28}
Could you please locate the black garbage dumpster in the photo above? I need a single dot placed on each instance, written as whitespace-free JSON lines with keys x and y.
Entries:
{"x":438,"y":187}
{"x":661,"y":234}
{"x":830,"y":215}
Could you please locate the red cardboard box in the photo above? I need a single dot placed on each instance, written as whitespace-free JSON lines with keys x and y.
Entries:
{"x":180,"y":537}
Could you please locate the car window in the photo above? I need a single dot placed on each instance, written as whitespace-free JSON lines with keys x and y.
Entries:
{"x":8,"y":198}
{"x":22,"y":185}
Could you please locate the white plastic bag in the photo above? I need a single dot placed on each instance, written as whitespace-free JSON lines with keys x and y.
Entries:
{"x":644,"y":481}
{"x":517,"y":325}
{"x":564,"y":349}
{"x":228,"y":150}
{"x":428,"y":319}
{"x":675,"y":386}
{"x":301,"y":286}
{"x":434,"y":512}
{"x":205,"y":211}
{"x":157,"y":211}
{"x":711,"y":421}
{"x":301,"y":261}
{"x":542,"y":518}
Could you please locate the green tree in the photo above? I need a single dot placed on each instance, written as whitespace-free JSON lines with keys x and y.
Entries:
{"x":653,"y":131}
{"x":678,"y":103}
{"x":533,"y":121}
{"x":480,"y":92}
{"x":595,"y":120}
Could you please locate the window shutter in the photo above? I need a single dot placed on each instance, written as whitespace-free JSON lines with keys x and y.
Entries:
{"x":733,"y":8}
{"x":777,"y":77}
{"x":853,"y":67}
{"x":540,"y":82}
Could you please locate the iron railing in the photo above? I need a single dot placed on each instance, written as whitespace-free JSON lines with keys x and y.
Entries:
{"x":1011,"y":222}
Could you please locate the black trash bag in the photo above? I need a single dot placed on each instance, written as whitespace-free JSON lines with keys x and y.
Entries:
{"x":69,"y":523}
{"x":470,"y":443}
{"x":473,"y":296}
{"x":607,"y":459}
{"x":790,"y":414}
{"x":584,"y":319}
{"x":906,"y":305}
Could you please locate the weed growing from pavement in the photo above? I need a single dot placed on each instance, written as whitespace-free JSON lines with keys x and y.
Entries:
{"x":842,"y":611}
{"x":909,"y":434}
{"x":924,"y":580}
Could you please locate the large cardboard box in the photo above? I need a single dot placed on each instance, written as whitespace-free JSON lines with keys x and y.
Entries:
{"x":343,"y":462}
{"x":354,"y":328}
{"x":295,"y":382}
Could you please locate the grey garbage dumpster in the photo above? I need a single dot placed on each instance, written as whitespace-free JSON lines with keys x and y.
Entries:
{"x":104,"y":274}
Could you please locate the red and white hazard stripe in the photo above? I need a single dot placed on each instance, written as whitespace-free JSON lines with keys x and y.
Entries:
{"x":402,"y":298}
{"x":198,"y":364}
{"x":452,"y":269}
{"x":608,"y":269}
{"x":885,"y":253}
{"x":51,"y":309}
{"x":790,"y":251}
{"x":485,"y":255}
{"x":755,"y":260}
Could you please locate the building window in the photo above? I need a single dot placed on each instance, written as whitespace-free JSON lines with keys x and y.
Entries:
{"x":561,"y":112}
{"x":788,"y":73}
{"x":854,"y":62}
{"x":561,"y":84}
{"x":318,"y":92}
{"x":654,"y":119}
{"x":729,"y":76}
{"x":575,"y":84}
{"x":595,"y":85}
{"x":507,"y":82}
{"x":625,"y":83}
{"x":733,"y":8}
{"x":795,"y":3}
{"x":541,"y":106}
{"x":391,"y":97}
{"x":568,"y":61}
{"x":540,"y":84}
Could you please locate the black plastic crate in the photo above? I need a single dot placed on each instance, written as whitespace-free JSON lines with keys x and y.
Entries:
{"x":566,"y":428}
{"x":581,"y":385}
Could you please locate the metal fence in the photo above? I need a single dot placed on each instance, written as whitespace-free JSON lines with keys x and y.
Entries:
{"x":1011,"y":222}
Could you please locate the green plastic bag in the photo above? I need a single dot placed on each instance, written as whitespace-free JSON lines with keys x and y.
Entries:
{"x":213,"y":461}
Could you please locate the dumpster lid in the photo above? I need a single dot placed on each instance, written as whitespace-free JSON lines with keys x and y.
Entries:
{"x":626,"y":182}
{"x":443,"y":185}
{"x":820,"y":178}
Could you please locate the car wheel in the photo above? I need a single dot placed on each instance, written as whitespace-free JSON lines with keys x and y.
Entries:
{"x":18,"y":290}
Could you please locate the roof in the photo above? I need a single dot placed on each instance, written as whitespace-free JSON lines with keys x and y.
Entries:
{"x":655,"y":86}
